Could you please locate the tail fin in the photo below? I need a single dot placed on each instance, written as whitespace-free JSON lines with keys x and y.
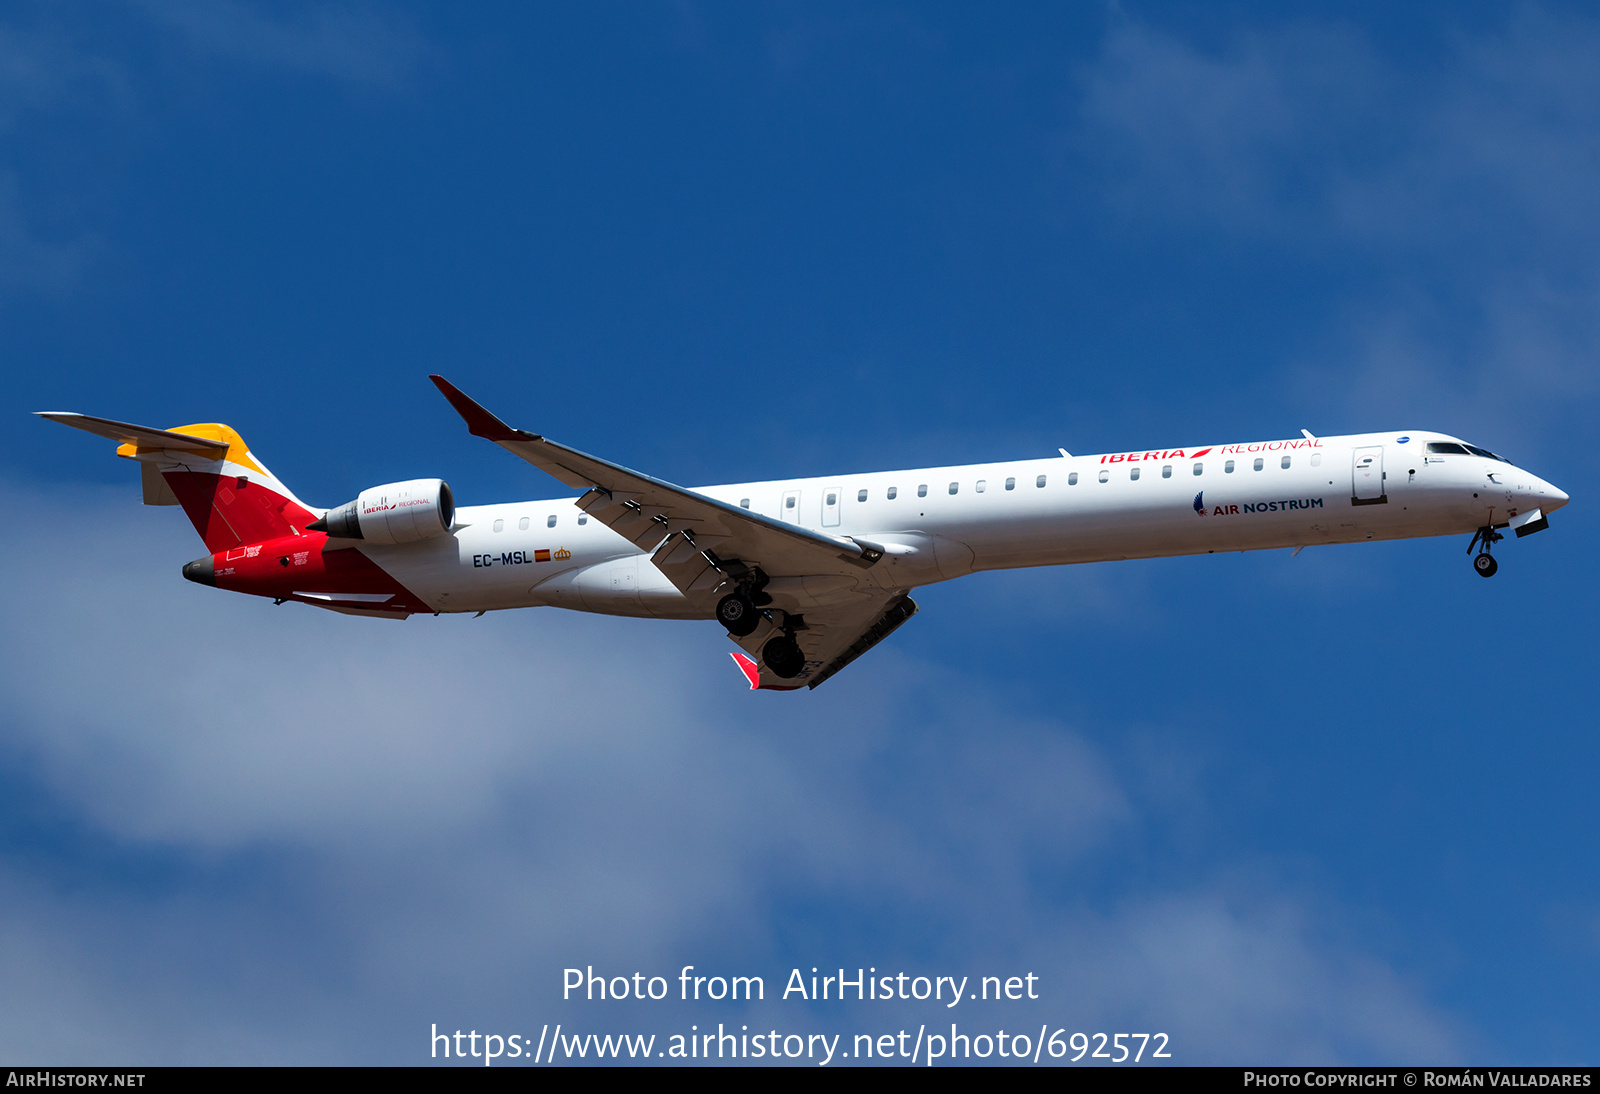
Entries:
{"x":229,"y":495}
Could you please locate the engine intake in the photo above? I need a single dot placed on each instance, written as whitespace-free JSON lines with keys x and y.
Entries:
{"x":397,"y":512}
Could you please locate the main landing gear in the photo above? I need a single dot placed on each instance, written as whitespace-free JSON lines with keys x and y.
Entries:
{"x":784,"y":656}
{"x":738,"y":613}
{"x":1485,"y":563}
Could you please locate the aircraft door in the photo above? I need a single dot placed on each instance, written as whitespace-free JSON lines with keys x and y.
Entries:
{"x":830,"y":506}
{"x":791,"y":506}
{"x":1366,"y":487}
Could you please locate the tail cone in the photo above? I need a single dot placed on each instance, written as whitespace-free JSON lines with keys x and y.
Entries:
{"x":202,"y":571}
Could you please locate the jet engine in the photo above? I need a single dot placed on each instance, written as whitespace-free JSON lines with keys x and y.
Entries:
{"x":397,"y":512}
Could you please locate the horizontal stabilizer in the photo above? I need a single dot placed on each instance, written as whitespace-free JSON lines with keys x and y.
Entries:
{"x":141,"y":435}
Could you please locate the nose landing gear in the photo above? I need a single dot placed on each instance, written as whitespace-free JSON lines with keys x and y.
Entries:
{"x":1485,"y":563}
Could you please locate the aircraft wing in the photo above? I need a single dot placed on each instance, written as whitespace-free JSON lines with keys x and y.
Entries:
{"x":835,"y":611}
{"x":697,"y":541}
{"x":832,"y":637}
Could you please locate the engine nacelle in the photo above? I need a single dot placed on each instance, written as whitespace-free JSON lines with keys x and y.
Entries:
{"x":398,"y":512}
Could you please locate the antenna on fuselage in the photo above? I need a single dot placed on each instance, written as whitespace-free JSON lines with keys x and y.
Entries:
{"x":1064,"y":453}
{"x":1308,"y":435}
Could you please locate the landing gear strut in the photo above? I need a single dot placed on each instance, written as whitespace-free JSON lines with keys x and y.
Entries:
{"x":1485,"y":563}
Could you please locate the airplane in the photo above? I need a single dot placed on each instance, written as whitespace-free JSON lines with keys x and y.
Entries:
{"x":807,"y":574}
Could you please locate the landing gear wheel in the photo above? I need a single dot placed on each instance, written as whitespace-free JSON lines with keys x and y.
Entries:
{"x":738,"y":614}
{"x":1485,"y":565}
{"x":784,"y":657}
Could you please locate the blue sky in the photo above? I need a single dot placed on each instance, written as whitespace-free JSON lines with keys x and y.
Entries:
{"x":1336,"y":807}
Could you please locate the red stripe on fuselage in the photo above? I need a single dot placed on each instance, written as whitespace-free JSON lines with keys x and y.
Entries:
{"x":282,"y":567}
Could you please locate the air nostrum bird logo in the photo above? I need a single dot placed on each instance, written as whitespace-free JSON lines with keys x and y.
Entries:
{"x":1200,"y":504}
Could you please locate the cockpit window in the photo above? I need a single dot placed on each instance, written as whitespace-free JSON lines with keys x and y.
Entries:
{"x":1450,"y":448}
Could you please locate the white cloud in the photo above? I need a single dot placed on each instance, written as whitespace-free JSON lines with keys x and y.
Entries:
{"x":295,"y":836}
{"x":1456,"y":184}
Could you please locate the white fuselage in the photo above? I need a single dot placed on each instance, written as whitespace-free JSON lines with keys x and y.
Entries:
{"x":944,"y":522}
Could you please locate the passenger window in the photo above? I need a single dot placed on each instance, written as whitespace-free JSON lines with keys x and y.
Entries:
{"x":499,"y":526}
{"x":833,"y":499}
{"x":954,"y":487}
{"x":1227,"y":468}
{"x":1199,"y":467}
{"x":551,"y":523}
{"x":523,"y":524}
{"x":893,"y":492}
{"x":1133,"y":473}
{"x":788,"y":503}
{"x":1040,"y":483}
{"x":1072,"y":479}
{"x":1285,"y":463}
{"x":744,"y":503}
{"x":922,"y":491}
{"x":585,"y":519}
{"x":1166,"y":471}
{"x":1316,"y":459}
{"x":1105,"y":476}
{"x":1259,"y":464}
{"x":1011,"y":484}
{"x":861,"y":495}
{"x":982,"y":483}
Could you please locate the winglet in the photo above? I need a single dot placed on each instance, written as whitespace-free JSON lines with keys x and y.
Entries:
{"x":480,"y":423}
{"x":748,"y":667}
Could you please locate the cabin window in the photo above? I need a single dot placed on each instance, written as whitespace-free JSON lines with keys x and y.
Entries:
{"x":551,"y":523}
{"x":1285,"y":463}
{"x":523,"y":524}
{"x":1105,"y":476}
{"x":893,"y":492}
{"x":1166,"y":471}
{"x":833,"y":499}
{"x":499,"y":526}
{"x":788,"y":503}
{"x":1133,"y":473}
{"x":1011,"y":483}
{"x":922,"y":491}
{"x":981,"y":485}
{"x":1072,"y":479}
{"x":1040,"y":482}
{"x":1259,"y":463}
{"x":1199,"y":467}
{"x":954,"y":487}
{"x":744,"y":503}
{"x":1316,"y":459}
{"x":861,"y":495}
{"x":585,"y":519}
{"x":1227,"y":468}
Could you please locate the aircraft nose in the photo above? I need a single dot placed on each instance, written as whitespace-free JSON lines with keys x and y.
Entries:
{"x":1550,"y":498}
